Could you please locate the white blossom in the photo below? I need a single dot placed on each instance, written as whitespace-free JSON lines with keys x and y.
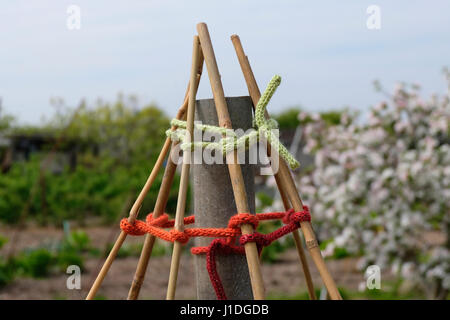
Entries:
{"x":378,"y":187}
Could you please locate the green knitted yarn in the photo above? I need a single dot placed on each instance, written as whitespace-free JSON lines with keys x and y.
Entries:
{"x":265,"y":125}
{"x":230,"y":141}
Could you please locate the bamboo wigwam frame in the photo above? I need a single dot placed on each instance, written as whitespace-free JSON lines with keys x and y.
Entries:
{"x":203,"y":53}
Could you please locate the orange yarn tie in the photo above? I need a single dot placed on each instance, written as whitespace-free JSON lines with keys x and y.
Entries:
{"x":156,"y":226}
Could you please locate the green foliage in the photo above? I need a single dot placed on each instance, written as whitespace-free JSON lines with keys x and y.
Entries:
{"x":117,"y":145}
{"x":270,"y":254}
{"x":340,"y":253}
{"x":129,"y":250}
{"x":331,"y":117}
{"x":288,"y":119}
{"x":78,"y":241}
{"x":15,"y":188}
{"x":42,"y":261}
{"x":297,"y":296}
{"x":6,"y":121}
{"x":6,"y":268}
{"x":123,"y":132}
{"x":36,"y":263}
{"x":3,"y":240}
{"x":264,"y":200}
{"x":159,"y":249}
{"x":71,"y":248}
{"x":6,"y":272}
{"x":389,"y":293}
{"x":67,"y":258}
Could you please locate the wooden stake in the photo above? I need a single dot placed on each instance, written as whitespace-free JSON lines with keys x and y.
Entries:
{"x":214,"y":204}
{"x":134,"y":211}
{"x":184,"y":180}
{"x":287,"y":186}
{"x":160,"y":206}
{"x":233,"y":166}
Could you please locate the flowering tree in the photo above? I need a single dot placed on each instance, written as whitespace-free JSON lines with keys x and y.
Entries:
{"x":380,"y":188}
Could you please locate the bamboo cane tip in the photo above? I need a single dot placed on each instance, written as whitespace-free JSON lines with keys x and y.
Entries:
{"x":234,"y":36}
{"x":196,"y":39}
{"x":201,"y":25}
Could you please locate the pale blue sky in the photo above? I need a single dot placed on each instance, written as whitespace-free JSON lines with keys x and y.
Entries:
{"x":322,"y":49}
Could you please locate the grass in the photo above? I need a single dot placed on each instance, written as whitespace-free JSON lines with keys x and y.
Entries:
{"x":375,"y":294}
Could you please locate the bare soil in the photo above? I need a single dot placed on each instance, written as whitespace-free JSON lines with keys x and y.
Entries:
{"x":282,"y":278}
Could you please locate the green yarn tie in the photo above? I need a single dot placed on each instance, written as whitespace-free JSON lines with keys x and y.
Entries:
{"x":265,"y":126}
{"x":231,"y":142}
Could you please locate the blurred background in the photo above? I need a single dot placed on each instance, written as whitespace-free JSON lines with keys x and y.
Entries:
{"x":88,"y":89}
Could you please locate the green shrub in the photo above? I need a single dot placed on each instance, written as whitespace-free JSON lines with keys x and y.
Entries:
{"x":264,"y":200}
{"x":102,"y":191}
{"x":71,"y":248}
{"x":41,"y":262}
{"x":69,"y":257}
{"x":6,"y":268}
{"x":117,"y":146}
{"x":3,"y":240}
{"x":36,"y":263}
{"x":78,"y":241}
{"x":288,"y":119}
{"x":270,"y":254}
{"x":6,"y":272}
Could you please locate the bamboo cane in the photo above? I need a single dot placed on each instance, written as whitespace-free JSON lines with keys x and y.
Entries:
{"x":233,"y":166}
{"x":149,"y":241}
{"x":122,"y":236}
{"x":287,"y":186}
{"x":308,"y":232}
{"x":134,"y":211}
{"x":160,"y":206}
{"x":255,"y":94}
{"x":297,"y":240}
{"x":184,"y":180}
